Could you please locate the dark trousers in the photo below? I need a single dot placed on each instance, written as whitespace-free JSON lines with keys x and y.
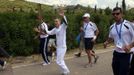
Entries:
{"x":132,"y":66}
{"x":1,"y":62}
{"x":44,"y":49}
{"x":120,"y":63}
{"x":3,"y":52}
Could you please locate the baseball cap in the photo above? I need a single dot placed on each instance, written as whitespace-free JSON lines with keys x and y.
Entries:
{"x":86,"y":15}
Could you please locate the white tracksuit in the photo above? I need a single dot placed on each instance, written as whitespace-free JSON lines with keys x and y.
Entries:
{"x":61,"y":44}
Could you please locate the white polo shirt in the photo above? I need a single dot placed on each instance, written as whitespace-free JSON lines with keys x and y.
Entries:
{"x":126,"y":35}
{"x":42,"y":27}
{"x":132,"y":50}
{"x":60,"y":34}
{"x":89,"y":29}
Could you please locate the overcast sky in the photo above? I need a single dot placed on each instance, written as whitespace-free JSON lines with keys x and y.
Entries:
{"x":92,"y":3}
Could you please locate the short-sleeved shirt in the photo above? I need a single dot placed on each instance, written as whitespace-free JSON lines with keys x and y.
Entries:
{"x":126,"y":34}
{"x":132,"y":49}
{"x":89,"y":29}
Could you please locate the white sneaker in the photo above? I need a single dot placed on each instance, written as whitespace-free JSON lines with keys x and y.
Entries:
{"x":3,"y":66}
{"x":48,"y":63}
{"x":66,"y":73}
{"x":44,"y":64}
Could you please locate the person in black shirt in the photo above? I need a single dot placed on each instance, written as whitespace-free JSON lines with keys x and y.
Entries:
{"x":51,"y":43}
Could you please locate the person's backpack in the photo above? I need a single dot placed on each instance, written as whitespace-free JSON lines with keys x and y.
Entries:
{"x":78,"y":38}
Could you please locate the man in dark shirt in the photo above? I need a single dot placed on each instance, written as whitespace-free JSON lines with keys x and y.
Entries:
{"x":51,"y":42}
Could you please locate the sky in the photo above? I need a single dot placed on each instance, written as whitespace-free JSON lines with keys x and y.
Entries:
{"x":92,"y":3}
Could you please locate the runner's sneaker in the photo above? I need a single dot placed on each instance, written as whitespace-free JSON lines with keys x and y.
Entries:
{"x":95,"y":60}
{"x":48,"y":62}
{"x":78,"y":55}
{"x":65,"y":73}
{"x":88,"y":65}
{"x":44,"y":64}
{"x":4,"y":64}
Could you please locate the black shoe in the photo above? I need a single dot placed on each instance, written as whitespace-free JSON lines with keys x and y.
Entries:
{"x":78,"y":55}
{"x":3,"y":65}
{"x":96,"y":58}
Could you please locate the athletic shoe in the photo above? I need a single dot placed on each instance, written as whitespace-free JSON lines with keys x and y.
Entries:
{"x":44,"y":64}
{"x":48,"y":63}
{"x":88,"y":65}
{"x":78,"y":55}
{"x":65,"y":73}
{"x":4,"y":64}
{"x":96,"y":58}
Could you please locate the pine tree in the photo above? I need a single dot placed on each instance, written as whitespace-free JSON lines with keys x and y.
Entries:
{"x":108,"y":11}
{"x":95,"y":8}
{"x":124,"y":5}
{"x":117,"y":4}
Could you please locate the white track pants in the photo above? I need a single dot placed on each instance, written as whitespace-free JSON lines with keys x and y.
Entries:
{"x":60,"y":60}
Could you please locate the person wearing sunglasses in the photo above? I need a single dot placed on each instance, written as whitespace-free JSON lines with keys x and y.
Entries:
{"x":122,"y":34}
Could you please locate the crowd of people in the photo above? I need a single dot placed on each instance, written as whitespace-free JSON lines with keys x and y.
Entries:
{"x":121,"y":32}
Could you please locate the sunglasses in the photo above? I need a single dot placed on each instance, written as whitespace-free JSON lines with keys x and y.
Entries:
{"x":115,"y":14}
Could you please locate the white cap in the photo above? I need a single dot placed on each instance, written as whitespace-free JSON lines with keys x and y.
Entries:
{"x":86,"y":15}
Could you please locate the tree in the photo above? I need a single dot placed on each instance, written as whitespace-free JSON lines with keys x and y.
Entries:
{"x":100,"y":11}
{"x":95,"y":8}
{"x":107,"y":11}
{"x":117,"y":4}
{"x":124,"y":6}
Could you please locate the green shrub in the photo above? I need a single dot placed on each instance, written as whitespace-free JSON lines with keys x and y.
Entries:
{"x":17,"y":31}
